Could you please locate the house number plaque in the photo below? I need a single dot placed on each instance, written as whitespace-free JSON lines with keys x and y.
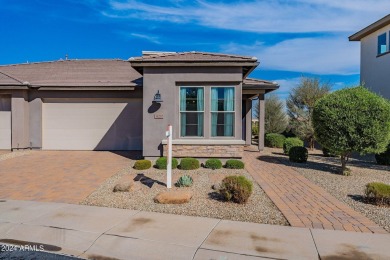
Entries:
{"x":158,"y":116}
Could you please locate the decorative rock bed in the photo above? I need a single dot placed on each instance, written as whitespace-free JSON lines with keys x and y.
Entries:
{"x":205,"y":201}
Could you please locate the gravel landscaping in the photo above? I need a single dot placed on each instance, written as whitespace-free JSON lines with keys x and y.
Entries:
{"x":4,"y":155}
{"x":348,"y":189}
{"x":205,"y":201}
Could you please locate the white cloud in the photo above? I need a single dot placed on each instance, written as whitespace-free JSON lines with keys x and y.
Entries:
{"x":329,"y":53}
{"x":321,"y":55}
{"x":260,"y":16}
{"x":153,"y":39}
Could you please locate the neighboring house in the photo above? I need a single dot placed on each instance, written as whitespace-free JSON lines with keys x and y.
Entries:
{"x":114,"y":104}
{"x":375,"y":56}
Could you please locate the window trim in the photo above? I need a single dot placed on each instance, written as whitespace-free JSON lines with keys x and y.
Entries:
{"x":204,"y":112}
{"x":234,"y":113}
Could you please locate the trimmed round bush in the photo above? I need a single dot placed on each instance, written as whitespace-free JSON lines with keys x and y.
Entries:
{"x":189,"y":164}
{"x":291,"y":142}
{"x":328,"y":153}
{"x":213,"y":164}
{"x":236,"y":188}
{"x":298,"y":154}
{"x":234,"y":164}
{"x":161,"y":163}
{"x":274,"y":140}
{"x":383,"y":158}
{"x":352,"y":120}
{"x":142,"y":164}
{"x":379,"y":192}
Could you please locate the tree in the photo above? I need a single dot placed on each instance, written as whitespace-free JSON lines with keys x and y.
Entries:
{"x":352,"y":120}
{"x":300,"y":104}
{"x":275,"y":115}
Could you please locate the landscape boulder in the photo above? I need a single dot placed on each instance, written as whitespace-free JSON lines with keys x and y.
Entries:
{"x":126,"y":184}
{"x":173,"y":197}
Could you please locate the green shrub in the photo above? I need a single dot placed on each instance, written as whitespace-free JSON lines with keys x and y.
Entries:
{"x":161,"y":163}
{"x":274,"y":140}
{"x":234,"y":164}
{"x":328,"y":153}
{"x":213,"y":164}
{"x":383,"y":158}
{"x":298,"y":154}
{"x":255,"y":129}
{"x":236,"y":188}
{"x":291,"y":142}
{"x":378,"y":192}
{"x":142,"y":164}
{"x":189,"y":164}
{"x":184,"y":181}
{"x":352,"y":120}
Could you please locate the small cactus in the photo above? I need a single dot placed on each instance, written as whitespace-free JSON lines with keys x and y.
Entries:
{"x":184,"y":181}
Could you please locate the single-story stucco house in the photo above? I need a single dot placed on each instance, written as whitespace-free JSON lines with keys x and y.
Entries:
{"x":375,"y":56}
{"x":127,"y":105}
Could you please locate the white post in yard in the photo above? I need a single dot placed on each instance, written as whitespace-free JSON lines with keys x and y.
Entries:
{"x":169,"y":157}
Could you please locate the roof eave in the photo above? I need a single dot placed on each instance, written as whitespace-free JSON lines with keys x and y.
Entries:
{"x":12,"y":86}
{"x":139,"y":65}
{"x":370,"y":29}
{"x":192,"y":63}
{"x":78,"y":88}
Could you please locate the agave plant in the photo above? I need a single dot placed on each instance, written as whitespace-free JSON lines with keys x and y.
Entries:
{"x":184,"y":181}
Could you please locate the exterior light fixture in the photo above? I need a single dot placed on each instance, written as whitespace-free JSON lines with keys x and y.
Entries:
{"x":157,"y":97}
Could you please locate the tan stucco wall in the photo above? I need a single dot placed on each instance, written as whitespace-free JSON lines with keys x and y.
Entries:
{"x":374,"y":71}
{"x":168,"y":80}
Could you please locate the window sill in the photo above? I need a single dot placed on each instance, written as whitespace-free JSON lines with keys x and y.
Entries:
{"x":382,"y":54}
{"x":206,"y":142}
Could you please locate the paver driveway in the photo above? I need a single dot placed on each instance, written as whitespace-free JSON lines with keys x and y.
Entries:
{"x":58,"y":176}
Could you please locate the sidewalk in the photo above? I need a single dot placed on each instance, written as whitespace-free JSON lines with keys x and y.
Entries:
{"x":98,"y":233}
{"x":303,"y":203}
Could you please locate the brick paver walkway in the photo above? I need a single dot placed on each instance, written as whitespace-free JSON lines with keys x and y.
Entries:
{"x":57,"y":176}
{"x":303,"y":203}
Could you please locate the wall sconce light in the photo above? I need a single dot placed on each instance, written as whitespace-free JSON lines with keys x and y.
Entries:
{"x":157,"y":97}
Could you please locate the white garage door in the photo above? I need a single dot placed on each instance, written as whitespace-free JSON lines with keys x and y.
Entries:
{"x":92,"y":125}
{"x":5,"y":123}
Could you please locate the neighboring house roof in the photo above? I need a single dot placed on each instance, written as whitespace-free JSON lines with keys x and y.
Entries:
{"x":370,"y":29}
{"x":259,"y":84}
{"x":73,"y":73}
{"x":193,"y":58}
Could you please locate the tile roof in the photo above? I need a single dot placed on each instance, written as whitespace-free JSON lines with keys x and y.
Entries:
{"x":72,"y":73}
{"x":192,"y":56}
{"x":6,"y":79}
{"x":251,"y":81}
{"x":255,"y":84}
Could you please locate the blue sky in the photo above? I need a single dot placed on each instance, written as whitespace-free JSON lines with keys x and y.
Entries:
{"x":290,"y":38}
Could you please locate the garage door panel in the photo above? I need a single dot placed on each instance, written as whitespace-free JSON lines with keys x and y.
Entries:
{"x":92,"y":126}
{"x":82,"y":116}
{"x":5,"y":130}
